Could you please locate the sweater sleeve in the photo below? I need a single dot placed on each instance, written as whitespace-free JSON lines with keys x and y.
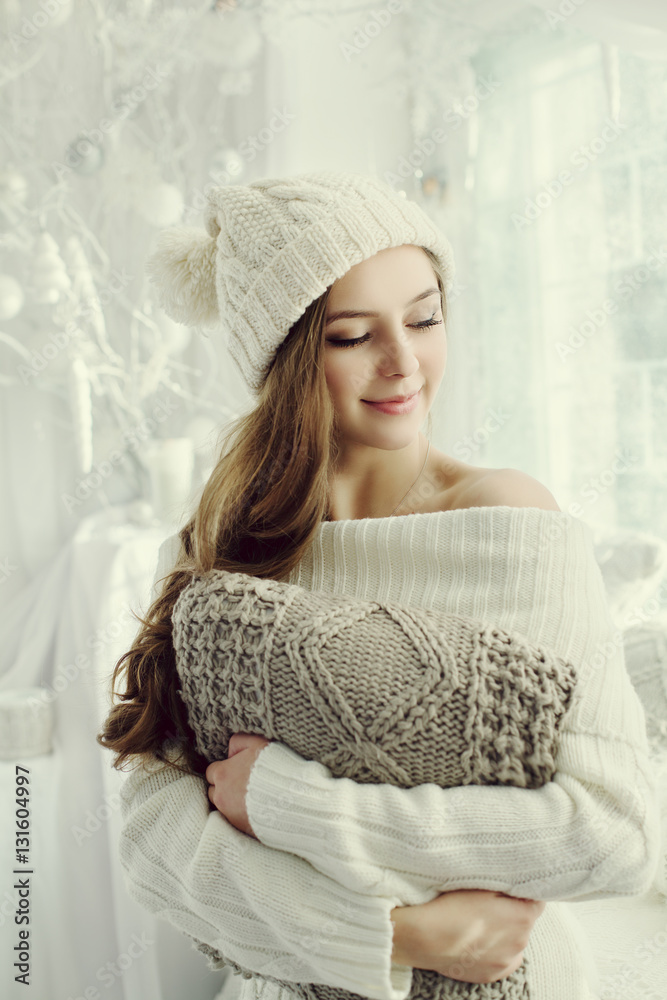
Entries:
{"x":592,"y":832}
{"x":267,"y":910}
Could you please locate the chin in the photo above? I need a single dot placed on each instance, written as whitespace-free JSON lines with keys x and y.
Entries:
{"x":389,"y":442}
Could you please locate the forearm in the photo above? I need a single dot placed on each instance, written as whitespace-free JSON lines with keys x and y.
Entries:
{"x":591,"y":832}
{"x":265,"y":910}
{"x":404,"y":935}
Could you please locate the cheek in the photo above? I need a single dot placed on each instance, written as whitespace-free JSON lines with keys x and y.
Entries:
{"x":344,"y":375}
{"x":333,"y":376}
{"x":436,"y":355}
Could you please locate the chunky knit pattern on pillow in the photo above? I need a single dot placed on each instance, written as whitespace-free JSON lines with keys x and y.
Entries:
{"x":375,"y":691}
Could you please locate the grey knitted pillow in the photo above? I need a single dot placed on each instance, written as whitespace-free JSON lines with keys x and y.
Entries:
{"x":375,"y":691}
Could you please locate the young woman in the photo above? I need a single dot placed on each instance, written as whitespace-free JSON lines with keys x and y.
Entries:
{"x":333,"y":291}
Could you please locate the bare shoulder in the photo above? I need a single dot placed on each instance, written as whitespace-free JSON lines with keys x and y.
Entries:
{"x":508,"y":488}
{"x":467,"y":485}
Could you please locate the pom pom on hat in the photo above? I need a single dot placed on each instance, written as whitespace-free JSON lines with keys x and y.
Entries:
{"x":271,"y":247}
{"x":182,"y":267}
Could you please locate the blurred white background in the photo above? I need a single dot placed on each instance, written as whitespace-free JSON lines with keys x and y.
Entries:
{"x":534,"y":133}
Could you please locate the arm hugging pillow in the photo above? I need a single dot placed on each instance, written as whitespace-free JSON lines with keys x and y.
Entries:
{"x":375,"y":691}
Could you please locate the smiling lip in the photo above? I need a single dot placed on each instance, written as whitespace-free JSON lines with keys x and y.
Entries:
{"x":397,"y":404}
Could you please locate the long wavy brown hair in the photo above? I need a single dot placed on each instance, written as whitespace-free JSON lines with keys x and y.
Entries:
{"x":257,"y":514}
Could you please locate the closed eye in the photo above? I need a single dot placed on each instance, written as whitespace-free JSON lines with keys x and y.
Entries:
{"x":361,"y":340}
{"x":427,"y":322}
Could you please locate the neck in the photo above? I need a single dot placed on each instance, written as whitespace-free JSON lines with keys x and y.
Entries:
{"x":371,"y":482}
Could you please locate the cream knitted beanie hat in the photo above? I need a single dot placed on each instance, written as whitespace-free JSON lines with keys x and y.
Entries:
{"x":272,"y":247}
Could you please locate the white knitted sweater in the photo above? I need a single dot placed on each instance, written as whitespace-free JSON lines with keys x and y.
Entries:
{"x":310,"y":900}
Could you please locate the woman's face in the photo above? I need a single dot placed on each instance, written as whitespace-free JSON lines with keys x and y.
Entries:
{"x":391,"y":351}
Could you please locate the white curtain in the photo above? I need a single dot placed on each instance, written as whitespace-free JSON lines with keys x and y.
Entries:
{"x":638,"y":27}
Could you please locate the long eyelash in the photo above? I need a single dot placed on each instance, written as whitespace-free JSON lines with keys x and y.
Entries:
{"x":428,"y":322}
{"x":361,"y":340}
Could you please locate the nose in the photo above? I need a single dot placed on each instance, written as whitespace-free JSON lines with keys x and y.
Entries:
{"x":397,"y":356}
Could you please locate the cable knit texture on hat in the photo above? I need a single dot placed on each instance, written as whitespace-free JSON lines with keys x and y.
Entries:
{"x":274,"y":246}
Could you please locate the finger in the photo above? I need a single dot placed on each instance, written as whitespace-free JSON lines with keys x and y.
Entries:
{"x":244,"y":739}
{"x":215,"y":771}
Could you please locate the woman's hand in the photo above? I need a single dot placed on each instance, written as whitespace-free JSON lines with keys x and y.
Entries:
{"x":472,"y":935}
{"x":228,"y":779}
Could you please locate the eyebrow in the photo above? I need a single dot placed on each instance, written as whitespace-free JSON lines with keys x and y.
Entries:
{"x":352,"y":314}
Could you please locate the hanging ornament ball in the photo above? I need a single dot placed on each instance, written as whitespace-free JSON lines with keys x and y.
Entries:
{"x":13,"y":186}
{"x":162,"y":205}
{"x":11,"y":297}
{"x":79,"y":268}
{"x":50,"y":276}
{"x":175,"y":336}
{"x":434,"y":184}
{"x":226,"y":164}
{"x":84,"y":156}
